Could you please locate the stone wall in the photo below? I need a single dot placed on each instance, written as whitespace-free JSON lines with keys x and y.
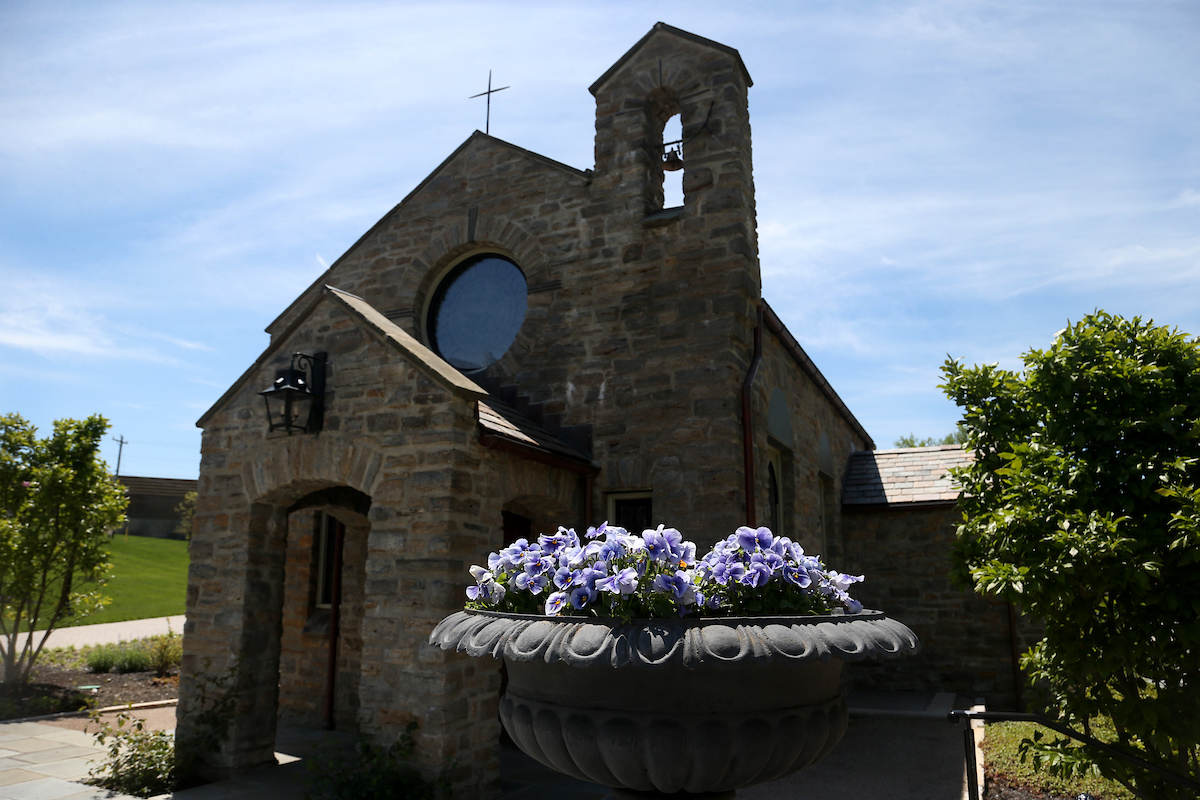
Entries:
{"x":812,"y":414}
{"x":639,"y":326}
{"x":965,"y":638}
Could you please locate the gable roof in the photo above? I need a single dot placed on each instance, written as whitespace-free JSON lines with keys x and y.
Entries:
{"x":904,"y":476}
{"x":478,"y":137}
{"x":663,"y":28}
{"x":381,"y":329}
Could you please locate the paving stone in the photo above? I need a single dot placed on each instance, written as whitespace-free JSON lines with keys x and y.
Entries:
{"x":10,"y":776}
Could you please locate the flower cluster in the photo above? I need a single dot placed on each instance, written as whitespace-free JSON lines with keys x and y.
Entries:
{"x":617,"y":574}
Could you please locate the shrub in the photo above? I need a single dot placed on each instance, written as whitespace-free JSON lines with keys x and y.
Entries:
{"x":1083,"y":507}
{"x":102,"y":658}
{"x":165,"y":652}
{"x":140,"y":762}
{"x":132,"y":657}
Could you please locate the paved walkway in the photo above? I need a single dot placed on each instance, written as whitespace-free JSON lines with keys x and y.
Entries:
{"x":108,"y":632}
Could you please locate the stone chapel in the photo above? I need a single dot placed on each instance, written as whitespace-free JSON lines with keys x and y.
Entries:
{"x":517,"y":345}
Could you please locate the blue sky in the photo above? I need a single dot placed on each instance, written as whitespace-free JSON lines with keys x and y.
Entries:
{"x":933,"y":178}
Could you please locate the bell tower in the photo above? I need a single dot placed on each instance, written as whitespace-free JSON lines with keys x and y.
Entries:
{"x":668,"y":72}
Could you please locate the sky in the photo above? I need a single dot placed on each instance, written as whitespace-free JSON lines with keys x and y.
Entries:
{"x":933,"y":178}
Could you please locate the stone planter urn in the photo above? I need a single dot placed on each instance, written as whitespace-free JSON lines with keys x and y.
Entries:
{"x":662,"y":707}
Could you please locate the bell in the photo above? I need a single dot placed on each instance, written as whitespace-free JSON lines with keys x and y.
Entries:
{"x":672,"y":160}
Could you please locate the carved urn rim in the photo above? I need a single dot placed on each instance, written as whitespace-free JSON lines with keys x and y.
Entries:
{"x":690,"y":642}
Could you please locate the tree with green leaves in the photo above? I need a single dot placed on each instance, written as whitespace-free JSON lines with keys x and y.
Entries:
{"x":1082,"y":507}
{"x":187,"y":514}
{"x":57,"y":505}
{"x":958,"y":436}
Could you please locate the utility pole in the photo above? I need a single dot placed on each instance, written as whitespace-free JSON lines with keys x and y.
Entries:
{"x":121,"y":442}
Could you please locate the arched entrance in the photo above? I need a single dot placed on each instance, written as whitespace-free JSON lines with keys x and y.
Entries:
{"x":320,"y":661}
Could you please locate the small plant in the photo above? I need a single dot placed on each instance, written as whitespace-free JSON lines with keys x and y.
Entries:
{"x":373,"y":773}
{"x":165,"y":652}
{"x":140,"y":762}
{"x":146,"y":763}
{"x":102,"y":658}
{"x":132,"y":657}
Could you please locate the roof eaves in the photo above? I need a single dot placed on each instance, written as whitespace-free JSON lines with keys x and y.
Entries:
{"x":665,"y":28}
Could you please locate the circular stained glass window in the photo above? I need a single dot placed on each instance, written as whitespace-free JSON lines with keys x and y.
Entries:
{"x":477,"y":312}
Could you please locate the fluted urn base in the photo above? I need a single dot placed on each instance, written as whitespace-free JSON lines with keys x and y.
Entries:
{"x":685,"y":708}
{"x":694,"y":753}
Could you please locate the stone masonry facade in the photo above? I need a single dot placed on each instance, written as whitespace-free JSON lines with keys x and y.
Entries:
{"x":644,"y":330}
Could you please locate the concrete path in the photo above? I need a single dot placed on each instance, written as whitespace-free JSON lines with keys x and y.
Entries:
{"x":108,"y":632}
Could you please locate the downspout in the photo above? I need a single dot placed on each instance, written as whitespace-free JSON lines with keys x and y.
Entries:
{"x":334,"y":626}
{"x":748,"y":420}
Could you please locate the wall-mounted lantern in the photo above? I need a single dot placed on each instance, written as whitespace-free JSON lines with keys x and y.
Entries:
{"x":295,"y":400}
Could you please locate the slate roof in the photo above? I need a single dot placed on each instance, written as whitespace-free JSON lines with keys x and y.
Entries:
{"x":499,"y":419}
{"x":904,"y":476}
{"x":166,"y":487}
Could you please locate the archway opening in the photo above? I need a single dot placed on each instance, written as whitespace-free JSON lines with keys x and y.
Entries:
{"x":324,"y":583}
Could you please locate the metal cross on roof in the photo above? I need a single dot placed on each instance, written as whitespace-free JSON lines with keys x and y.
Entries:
{"x":490,"y":91}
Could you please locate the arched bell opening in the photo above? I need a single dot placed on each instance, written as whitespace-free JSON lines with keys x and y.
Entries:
{"x":664,"y":151}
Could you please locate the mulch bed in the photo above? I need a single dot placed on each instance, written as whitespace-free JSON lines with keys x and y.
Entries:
{"x":53,"y":690}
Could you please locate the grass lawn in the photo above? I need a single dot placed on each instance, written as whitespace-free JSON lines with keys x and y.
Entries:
{"x":1000,"y":747}
{"x":149,"y":579}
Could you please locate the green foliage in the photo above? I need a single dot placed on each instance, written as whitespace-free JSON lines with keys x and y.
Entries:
{"x":140,"y":762}
{"x":165,"y":652}
{"x":57,"y":504}
{"x":374,"y":773}
{"x":187,"y":512}
{"x":122,"y":658}
{"x":1082,"y":507}
{"x":146,"y":763}
{"x":959,"y":436}
{"x":102,"y":658}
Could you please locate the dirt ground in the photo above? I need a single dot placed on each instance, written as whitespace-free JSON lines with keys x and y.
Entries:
{"x":53,"y":690}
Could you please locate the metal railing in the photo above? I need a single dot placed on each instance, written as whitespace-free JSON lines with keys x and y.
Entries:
{"x":966,"y":717}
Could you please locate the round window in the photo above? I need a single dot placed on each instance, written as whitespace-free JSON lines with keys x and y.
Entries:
{"x":477,"y":312}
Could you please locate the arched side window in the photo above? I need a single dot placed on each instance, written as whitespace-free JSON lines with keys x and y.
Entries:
{"x":780,"y":471}
{"x":828,"y":498}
